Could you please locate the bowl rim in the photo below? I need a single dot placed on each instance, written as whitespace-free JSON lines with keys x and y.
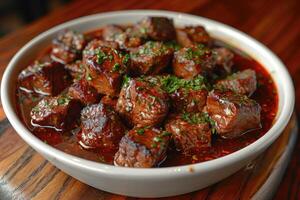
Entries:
{"x":182,"y":170}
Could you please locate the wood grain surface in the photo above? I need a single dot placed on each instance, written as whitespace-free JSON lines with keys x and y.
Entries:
{"x":24,"y":174}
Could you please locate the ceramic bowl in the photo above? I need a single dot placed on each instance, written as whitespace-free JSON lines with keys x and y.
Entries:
{"x":155,"y":182}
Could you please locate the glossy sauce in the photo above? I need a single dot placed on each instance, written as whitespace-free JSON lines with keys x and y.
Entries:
{"x":265,"y":95}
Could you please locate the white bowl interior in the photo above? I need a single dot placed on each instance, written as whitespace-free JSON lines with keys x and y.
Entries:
{"x":225,"y":33}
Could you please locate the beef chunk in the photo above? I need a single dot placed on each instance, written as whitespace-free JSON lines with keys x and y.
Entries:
{"x":48,"y":78}
{"x":101,"y":43}
{"x":224,"y":60}
{"x":188,"y":62}
{"x":82,"y":91}
{"x":142,"y":103}
{"x":189,"y":100}
{"x":110,"y":32}
{"x":158,"y":28}
{"x":243,"y":82}
{"x":129,"y":38}
{"x":234,"y":114}
{"x":193,"y":34}
{"x":185,"y":95}
{"x":101,"y":128}
{"x":110,"y":101}
{"x":59,"y":112}
{"x":67,"y":47}
{"x":105,"y":68}
{"x":191,"y":132}
{"x":76,"y":69}
{"x":150,"y":58}
{"x":142,"y":147}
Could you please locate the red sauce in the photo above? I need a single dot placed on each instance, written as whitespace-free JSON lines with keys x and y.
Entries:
{"x":265,"y":95}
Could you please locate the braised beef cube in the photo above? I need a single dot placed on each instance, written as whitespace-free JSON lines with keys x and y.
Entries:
{"x":110,"y":101}
{"x":142,"y":147}
{"x":101,"y":128}
{"x":191,"y":132}
{"x":150,"y":58}
{"x":67,"y":47}
{"x":224,"y":61}
{"x":111,"y":32}
{"x":189,"y":100}
{"x":76,"y":69}
{"x":185,"y":95}
{"x":158,"y":28}
{"x":59,"y":112}
{"x":243,"y":82}
{"x":82,"y":91}
{"x":48,"y":78}
{"x":100,"y":43}
{"x":128,"y":38}
{"x":234,"y":114}
{"x":142,"y":103}
{"x":93,"y":45}
{"x":193,"y":34}
{"x":188,"y":62}
{"x":105,"y":68}
{"x":135,"y":36}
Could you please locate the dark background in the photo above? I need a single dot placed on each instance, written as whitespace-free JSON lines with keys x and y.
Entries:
{"x":17,"y":13}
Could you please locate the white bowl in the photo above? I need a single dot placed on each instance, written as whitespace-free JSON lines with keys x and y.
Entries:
{"x":156,"y":182}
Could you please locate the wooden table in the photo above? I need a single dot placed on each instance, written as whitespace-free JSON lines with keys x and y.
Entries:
{"x":25,"y":174}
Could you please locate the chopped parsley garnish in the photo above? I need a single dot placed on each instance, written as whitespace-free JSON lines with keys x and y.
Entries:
{"x":126,"y":80}
{"x":89,"y":77}
{"x":126,"y":59}
{"x":199,"y":118}
{"x":143,"y":30}
{"x":101,"y":56}
{"x":211,"y":122}
{"x":173,"y":45}
{"x":157,"y":139}
{"x":165,"y":134}
{"x":171,"y":83}
{"x":63,"y":100}
{"x":34,"y":99}
{"x":196,"y":53}
{"x":140,"y":131}
{"x":153,"y":145}
{"x":116,"y":67}
{"x":150,"y":48}
{"x":194,"y":118}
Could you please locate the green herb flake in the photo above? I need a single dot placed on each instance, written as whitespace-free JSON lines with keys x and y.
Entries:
{"x":157,"y":139}
{"x":166,"y":134}
{"x":171,"y":83}
{"x":140,"y":131}
{"x":196,"y":53}
{"x":34,"y":99}
{"x":101,"y":56}
{"x":194,"y":118}
{"x":143,"y":30}
{"x":126,"y":59}
{"x":153,"y":145}
{"x":126,"y":80}
{"x":116,"y":67}
{"x":173,"y":45}
{"x":89,"y":77}
{"x":36,"y":109}
{"x":63,"y":100}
